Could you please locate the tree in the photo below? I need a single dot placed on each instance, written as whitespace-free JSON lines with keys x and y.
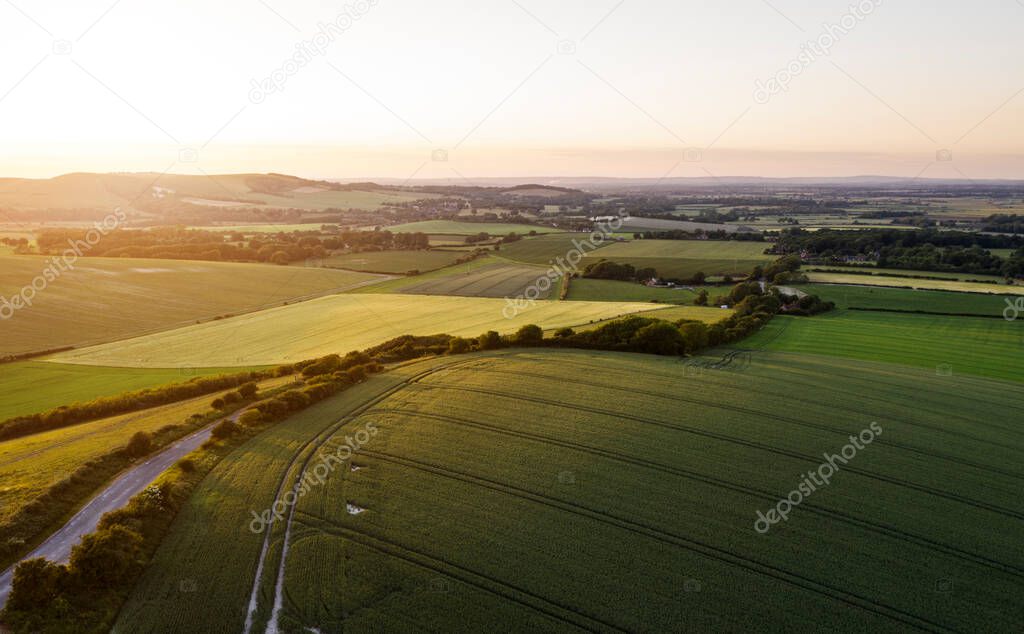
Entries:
{"x":659,"y":338}
{"x":702,"y":298}
{"x":280,"y":257}
{"x":139,"y":445}
{"x":248,"y":390}
{"x":562,"y":333}
{"x":224,"y":430}
{"x":107,"y":556}
{"x":529,"y":335}
{"x":458,"y":345}
{"x":490,"y":340}
{"x":35,"y":584}
{"x":695,"y":334}
{"x":218,"y":403}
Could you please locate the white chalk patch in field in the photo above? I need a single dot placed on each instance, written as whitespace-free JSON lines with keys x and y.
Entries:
{"x":353,"y":509}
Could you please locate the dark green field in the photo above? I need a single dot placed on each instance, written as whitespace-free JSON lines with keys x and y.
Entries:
{"x":568,"y":490}
{"x":908,"y":299}
{"x":582,"y":289}
{"x":928,"y":344}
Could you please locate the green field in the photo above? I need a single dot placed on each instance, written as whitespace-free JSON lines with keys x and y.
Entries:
{"x":310,"y":226}
{"x":453,"y":227}
{"x":910,"y":299}
{"x":29,"y":387}
{"x":525,"y":490}
{"x":106,"y":299}
{"x":965,"y":345}
{"x":682,"y":258}
{"x":545,"y":249}
{"x":397,"y":262}
{"x":338,"y":323}
{"x":496,"y":280}
{"x":949,"y":275}
{"x":940,"y":285}
{"x":582,"y":289}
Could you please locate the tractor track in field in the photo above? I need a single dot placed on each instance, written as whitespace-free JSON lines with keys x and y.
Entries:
{"x":730,"y":439}
{"x":314,"y":443}
{"x":463,"y":575}
{"x":889,"y":531}
{"x":693,"y":545}
{"x":786,"y":419}
{"x":790,"y":396}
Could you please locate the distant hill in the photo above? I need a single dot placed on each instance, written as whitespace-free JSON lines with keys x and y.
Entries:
{"x":85,"y":195}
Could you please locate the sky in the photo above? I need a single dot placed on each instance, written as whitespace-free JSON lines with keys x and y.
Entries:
{"x":518,"y":88}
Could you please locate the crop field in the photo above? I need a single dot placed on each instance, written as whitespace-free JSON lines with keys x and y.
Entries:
{"x":531,"y":487}
{"x":105,"y":299}
{"x":582,"y":289}
{"x":28,"y":387}
{"x":879,"y":297}
{"x":31,"y":464}
{"x":337,"y":324}
{"x":268,"y":228}
{"x":396,"y":262}
{"x":497,"y":280}
{"x":938,"y":344}
{"x":547,"y":248}
{"x":683,"y":258}
{"x":656,"y":224}
{"x":939,"y":285}
{"x":452,"y":227}
{"x":950,"y":275}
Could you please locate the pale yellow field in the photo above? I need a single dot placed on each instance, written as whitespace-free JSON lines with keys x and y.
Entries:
{"x":942,"y":285}
{"x":341,"y":323}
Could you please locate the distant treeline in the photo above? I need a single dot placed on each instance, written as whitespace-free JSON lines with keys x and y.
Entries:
{"x":926,"y":250}
{"x":197,"y":244}
{"x":1003,"y":223}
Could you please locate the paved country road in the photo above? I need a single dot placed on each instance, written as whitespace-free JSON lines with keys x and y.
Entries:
{"x":58,"y":546}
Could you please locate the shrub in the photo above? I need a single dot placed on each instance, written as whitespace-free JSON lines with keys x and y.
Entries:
{"x":187,"y":465}
{"x":458,"y":345}
{"x":659,"y":338}
{"x":106,"y":556}
{"x":562,"y":333}
{"x":36,"y":583}
{"x":225,"y":429}
{"x":218,"y":403}
{"x":248,"y":390}
{"x":250,"y":418}
{"x":529,"y":335}
{"x":490,"y":340}
{"x":139,"y":445}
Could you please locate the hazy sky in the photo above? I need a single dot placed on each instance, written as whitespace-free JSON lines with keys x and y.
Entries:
{"x":513,"y":87}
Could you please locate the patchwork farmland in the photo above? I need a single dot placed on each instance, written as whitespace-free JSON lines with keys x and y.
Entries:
{"x":488,"y":444}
